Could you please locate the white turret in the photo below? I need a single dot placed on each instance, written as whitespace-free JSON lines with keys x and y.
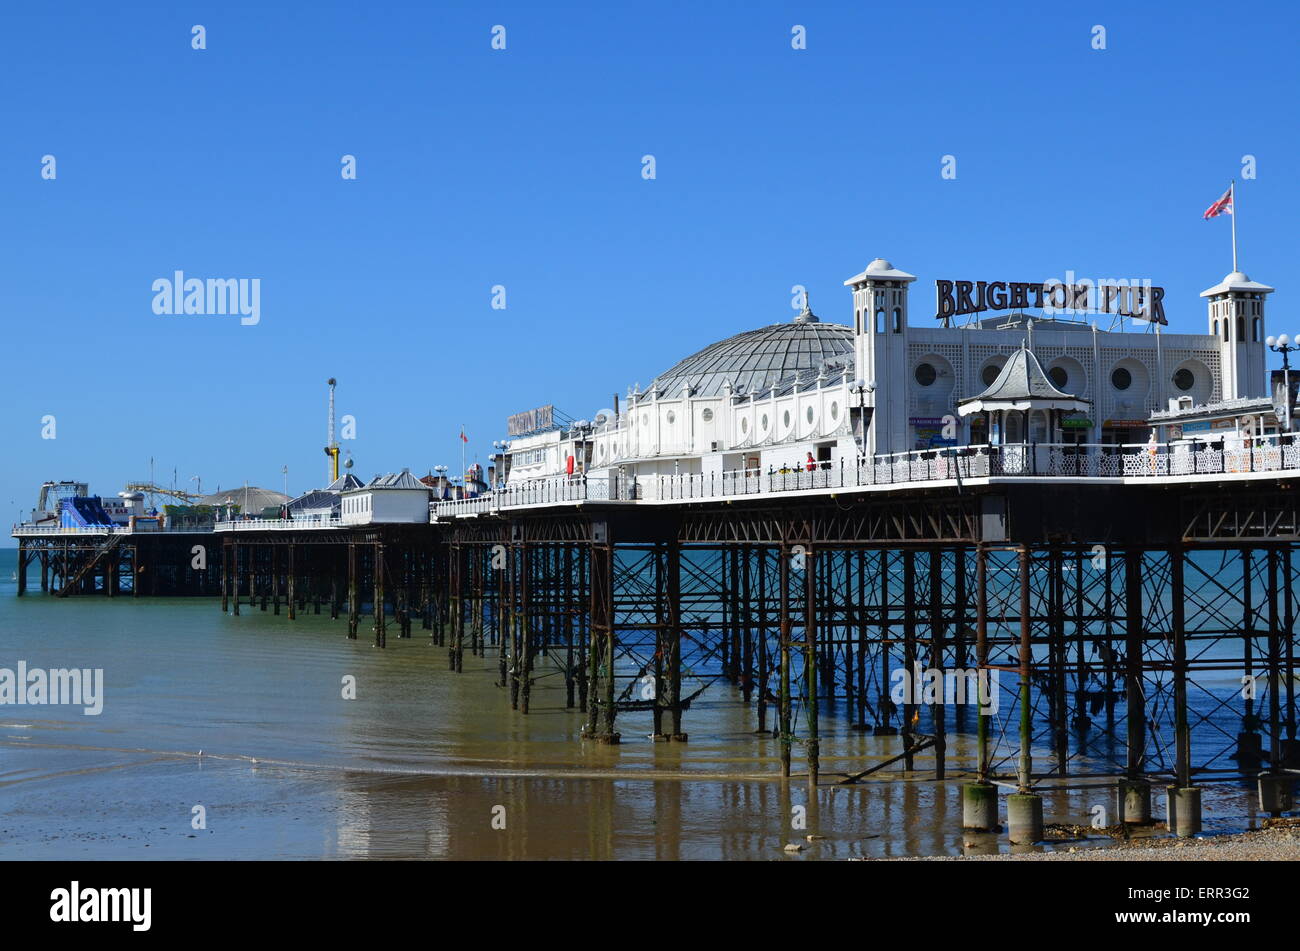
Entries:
{"x":880,"y":351}
{"x":1236,"y":318}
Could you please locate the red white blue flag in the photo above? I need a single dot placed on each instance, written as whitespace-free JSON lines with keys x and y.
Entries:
{"x":1221,"y":206}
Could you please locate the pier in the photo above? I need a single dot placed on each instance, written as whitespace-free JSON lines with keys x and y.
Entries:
{"x":1096,"y":592}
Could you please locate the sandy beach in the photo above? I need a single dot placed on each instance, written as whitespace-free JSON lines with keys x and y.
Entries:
{"x":1278,"y":843}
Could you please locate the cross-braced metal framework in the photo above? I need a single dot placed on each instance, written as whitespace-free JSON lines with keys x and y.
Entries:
{"x":1058,"y":636}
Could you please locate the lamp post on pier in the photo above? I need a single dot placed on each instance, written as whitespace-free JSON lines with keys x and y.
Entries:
{"x":1285,"y":346}
{"x":501,"y":445}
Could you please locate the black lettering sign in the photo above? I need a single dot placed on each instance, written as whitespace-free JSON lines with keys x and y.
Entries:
{"x":1138,"y":300}
{"x":945,"y":306}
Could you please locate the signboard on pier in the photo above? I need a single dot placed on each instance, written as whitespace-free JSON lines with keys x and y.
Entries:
{"x":1137,"y":299}
{"x":531,"y":421}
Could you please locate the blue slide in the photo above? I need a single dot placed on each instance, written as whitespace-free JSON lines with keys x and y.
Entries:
{"x":84,"y":512}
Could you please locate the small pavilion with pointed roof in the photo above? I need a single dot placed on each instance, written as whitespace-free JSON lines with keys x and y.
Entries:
{"x":1022,"y":404}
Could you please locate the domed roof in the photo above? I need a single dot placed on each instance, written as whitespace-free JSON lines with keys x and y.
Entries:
{"x":1238,"y":282}
{"x":250,"y":499}
{"x":756,"y":359}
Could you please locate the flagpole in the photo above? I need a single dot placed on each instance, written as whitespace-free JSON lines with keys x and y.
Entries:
{"x":1233,"y":189}
{"x":462,"y":425}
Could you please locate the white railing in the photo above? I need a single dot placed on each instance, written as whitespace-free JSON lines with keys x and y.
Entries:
{"x":548,"y":491}
{"x":278,"y":524}
{"x":453,"y":507}
{"x":956,"y":464}
{"x":151,"y":529}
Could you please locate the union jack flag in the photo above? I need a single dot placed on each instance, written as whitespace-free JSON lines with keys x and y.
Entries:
{"x":1224,"y":204}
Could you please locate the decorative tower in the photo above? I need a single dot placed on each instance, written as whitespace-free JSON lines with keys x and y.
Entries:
{"x":880,"y":352}
{"x":1236,"y":319}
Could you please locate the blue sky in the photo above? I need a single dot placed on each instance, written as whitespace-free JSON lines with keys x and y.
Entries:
{"x":522,"y":168}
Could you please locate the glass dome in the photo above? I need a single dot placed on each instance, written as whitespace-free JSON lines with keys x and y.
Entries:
{"x":756,"y":359}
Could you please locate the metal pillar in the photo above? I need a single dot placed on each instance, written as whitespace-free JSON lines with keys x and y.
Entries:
{"x":911,"y":713}
{"x":673,"y":638}
{"x":524,"y":624}
{"x":813,"y":745}
{"x":1182,"y":731}
{"x":354,"y":607}
{"x":937,"y":659}
{"x":982,"y":657}
{"x":381,"y":622}
{"x":601,"y":697}
{"x":1135,"y":699}
{"x":786,"y":728}
{"x":292,"y":589}
{"x":1025,"y":764}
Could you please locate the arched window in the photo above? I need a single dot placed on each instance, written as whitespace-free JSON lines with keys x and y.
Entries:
{"x":1014,"y":426}
{"x":898,"y":320}
{"x":1241,"y":329}
{"x":880,"y":321}
{"x":1216,"y":328}
{"x":1254,"y":331}
{"x":1038,"y":426}
{"x":1225,"y":328}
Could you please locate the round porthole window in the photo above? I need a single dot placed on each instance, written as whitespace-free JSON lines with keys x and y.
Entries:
{"x":1059,"y":377}
{"x":645,"y":419}
{"x":744,"y":425}
{"x":1121,"y":379}
{"x":926,"y":374}
{"x":810,"y":414}
{"x":835,"y":411}
{"x":1184,"y":379}
{"x":785,"y":420}
{"x":707,"y":415}
{"x":990,"y":374}
{"x":764,"y":422}
{"x":672,"y":417}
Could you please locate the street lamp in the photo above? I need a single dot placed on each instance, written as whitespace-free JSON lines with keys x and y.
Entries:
{"x":1284,"y":346}
{"x":861,"y":388}
{"x":501,"y":445}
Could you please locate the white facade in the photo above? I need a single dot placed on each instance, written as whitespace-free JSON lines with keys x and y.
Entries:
{"x":397,"y":498}
{"x":547,"y":453}
{"x":769,"y":399}
{"x":126,"y":504}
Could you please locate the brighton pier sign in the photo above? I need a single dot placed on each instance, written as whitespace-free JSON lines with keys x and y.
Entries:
{"x":530,"y":421}
{"x":1121,"y":298}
